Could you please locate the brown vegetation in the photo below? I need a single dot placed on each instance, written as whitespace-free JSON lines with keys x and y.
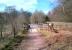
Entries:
{"x":58,"y":41}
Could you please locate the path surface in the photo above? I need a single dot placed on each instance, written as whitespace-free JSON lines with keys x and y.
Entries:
{"x":34,"y":41}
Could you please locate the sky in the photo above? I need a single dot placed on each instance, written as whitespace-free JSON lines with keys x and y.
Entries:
{"x":30,"y":5}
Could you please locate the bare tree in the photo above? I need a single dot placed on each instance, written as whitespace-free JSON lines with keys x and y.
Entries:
{"x":26,"y":16}
{"x":2,"y":23}
{"x":67,"y":9}
{"x":63,"y":12}
{"x":11,"y":18}
{"x":38,"y":17}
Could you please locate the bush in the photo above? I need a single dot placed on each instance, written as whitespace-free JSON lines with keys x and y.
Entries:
{"x":13,"y":42}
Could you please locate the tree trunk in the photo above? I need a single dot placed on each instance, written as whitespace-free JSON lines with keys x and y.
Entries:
{"x":13,"y":29}
{"x":1,"y":35}
{"x":1,"y":32}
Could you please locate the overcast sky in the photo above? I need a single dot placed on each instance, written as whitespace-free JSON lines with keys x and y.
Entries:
{"x":29,"y":5}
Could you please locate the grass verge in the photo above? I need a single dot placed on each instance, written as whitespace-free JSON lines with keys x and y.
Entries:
{"x":13,"y":42}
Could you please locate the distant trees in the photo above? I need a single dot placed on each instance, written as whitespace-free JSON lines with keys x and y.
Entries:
{"x":67,"y":9}
{"x":23,"y":18}
{"x":11,"y":18}
{"x":57,"y":15}
{"x":38,"y":17}
{"x":25,"y":15}
{"x":63,"y":12}
{"x":47,"y":18}
{"x":14,"y":18}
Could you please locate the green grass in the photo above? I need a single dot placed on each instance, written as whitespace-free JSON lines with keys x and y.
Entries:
{"x":12,"y":43}
{"x":4,"y":41}
{"x":9,"y":42}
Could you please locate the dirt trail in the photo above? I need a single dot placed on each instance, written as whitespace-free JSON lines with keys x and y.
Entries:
{"x":34,"y":41}
{"x":55,"y":41}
